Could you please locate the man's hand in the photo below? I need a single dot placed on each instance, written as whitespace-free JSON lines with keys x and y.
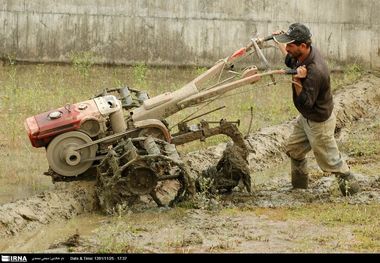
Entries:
{"x":280,"y":46}
{"x":301,"y":72}
{"x":278,"y":32}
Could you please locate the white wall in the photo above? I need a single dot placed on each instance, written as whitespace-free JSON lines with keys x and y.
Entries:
{"x":182,"y":32}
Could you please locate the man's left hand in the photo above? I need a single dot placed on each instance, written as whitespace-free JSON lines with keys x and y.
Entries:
{"x":301,"y":72}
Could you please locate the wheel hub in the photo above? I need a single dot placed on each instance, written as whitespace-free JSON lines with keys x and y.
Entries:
{"x":141,"y":181}
{"x":64,"y":160}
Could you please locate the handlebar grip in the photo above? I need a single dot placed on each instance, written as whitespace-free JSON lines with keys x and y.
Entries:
{"x":268,"y":38}
{"x":291,"y":71}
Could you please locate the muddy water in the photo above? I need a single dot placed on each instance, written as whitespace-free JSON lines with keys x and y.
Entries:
{"x":282,"y":170}
{"x":40,"y":240}
{"x":278,"y":170}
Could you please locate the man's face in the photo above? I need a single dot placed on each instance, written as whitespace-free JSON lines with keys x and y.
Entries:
{"x":294,"y":50}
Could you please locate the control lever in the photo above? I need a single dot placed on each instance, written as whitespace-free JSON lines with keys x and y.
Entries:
{"x":267,"y":38}
{"x":261,"y":55}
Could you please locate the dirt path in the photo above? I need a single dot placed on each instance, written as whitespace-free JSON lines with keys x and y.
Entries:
{"x":208,"y":231}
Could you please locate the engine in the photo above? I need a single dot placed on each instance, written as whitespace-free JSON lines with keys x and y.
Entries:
{"x":62,"y":131}
{"x":89,"y":117}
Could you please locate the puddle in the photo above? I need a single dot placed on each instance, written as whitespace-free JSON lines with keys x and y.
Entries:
{"x":279,"y":170}
{"x":42,"y":238}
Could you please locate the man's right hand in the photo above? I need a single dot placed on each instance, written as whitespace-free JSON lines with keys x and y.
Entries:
{"x":280,"y":46}
{"x":278,"y":32}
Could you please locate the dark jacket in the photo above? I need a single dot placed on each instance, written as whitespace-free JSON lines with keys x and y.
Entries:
{"x":315,"y":101}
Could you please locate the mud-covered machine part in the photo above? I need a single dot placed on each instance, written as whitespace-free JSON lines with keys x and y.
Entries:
{"x":141,"y":166}
{"x":64,"y":159}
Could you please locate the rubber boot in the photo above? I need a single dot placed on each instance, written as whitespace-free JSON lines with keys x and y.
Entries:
{"x":300,"y":179}
{"x":348,"y":184}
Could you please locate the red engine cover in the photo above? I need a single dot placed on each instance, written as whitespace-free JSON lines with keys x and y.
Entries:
{"x":42,"y":128}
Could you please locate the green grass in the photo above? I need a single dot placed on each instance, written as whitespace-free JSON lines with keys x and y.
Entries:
{"x":82,"y":62}
{"x":364,"y":142}
{"x":351,"y":73}
{"x":363,"y":148}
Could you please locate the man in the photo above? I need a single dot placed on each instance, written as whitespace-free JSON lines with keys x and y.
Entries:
{"x":314,"y":128}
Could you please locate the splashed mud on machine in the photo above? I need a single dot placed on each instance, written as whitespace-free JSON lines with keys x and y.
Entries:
{"x":122,"y":137}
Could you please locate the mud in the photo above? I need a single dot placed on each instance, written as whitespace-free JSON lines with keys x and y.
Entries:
{"x":124,"y":175}
{"x":279,"y":193}
{"x":230,"y":170}
{"x":204,"y":231}
{"x":65,"y":202}
{"x":266,"y":150}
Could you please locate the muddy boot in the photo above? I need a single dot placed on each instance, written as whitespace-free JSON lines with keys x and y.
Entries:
{"x":348,"y":184}
{"x":300,"y":179}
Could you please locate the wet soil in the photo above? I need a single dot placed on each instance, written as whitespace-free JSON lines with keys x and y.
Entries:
{"x":65,"y":202}
{"x":217,"y":225}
